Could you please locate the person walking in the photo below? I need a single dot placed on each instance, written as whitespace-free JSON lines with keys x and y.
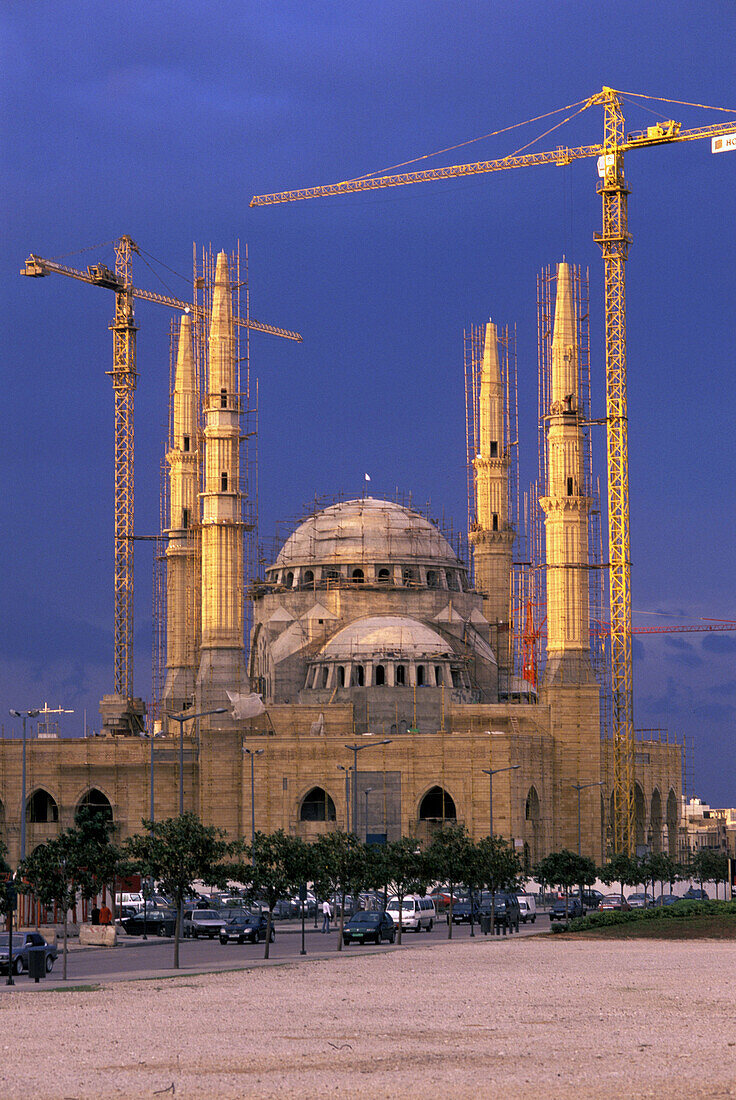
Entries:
{"x":326,"y":915}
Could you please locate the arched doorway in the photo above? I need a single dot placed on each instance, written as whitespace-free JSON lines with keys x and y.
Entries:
{"x":317,"y":806}
{"x":672,"y":822}
{"x":41,"y":808}
{"x":96,"y":802}
{"x":655,"y":820}
{"x":640,"y":816}
{"x":437,"y":805}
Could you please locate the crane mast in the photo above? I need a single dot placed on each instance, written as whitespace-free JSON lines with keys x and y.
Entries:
{"x":614,"y":240}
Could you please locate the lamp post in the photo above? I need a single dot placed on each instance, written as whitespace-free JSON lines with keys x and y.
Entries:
{"x":355,"y":749}
{"x":366,"y":792}
{"x":253,"y":753}
{"x":342,"y":768}
{"x":24,"y":715}
{"x":581,"y":787}
{"x":490,"y":772}
{"x":181,"y":719}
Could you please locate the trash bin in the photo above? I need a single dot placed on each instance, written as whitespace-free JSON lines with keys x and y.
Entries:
{"x":485,"y":923}
{"x":36,"y":963}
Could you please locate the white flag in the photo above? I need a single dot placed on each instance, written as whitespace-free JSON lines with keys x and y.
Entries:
{"x":367,"y":477}
{"x":245,"y":706}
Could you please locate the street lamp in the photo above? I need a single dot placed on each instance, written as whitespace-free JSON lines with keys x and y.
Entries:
{"x":181,"y":719}
{"x":366,"y":792}
{"x":355,"y":749}
{"x":252,"y":753}
{"x":581,"y":787}
{"x":24,"y":714}
{"x":342,"y":768}
{"x":490,"y":772}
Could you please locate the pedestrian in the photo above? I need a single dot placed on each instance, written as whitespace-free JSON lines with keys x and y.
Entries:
{"x":95,"y":915}
{"x":326,"y":915}
{"x":105,"y":915}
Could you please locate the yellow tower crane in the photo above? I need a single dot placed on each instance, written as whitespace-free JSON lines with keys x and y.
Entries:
{"x":614,"y":240}
{"x":124,"y":377}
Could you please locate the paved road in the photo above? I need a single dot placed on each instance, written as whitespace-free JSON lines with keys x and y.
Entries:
{"x":136,"y":958}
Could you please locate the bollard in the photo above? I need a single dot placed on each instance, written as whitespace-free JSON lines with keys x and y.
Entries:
{"x":504,"y":929}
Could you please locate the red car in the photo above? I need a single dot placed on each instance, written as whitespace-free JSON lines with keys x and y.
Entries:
{"x":613,"y":901}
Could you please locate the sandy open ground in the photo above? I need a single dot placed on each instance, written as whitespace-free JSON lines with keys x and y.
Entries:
{"x":559,"y":1018}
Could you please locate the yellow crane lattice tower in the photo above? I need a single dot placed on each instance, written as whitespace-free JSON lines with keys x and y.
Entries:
{"x":614,"y":241}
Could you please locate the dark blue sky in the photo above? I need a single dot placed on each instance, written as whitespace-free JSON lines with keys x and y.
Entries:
{"x":161,"y":120}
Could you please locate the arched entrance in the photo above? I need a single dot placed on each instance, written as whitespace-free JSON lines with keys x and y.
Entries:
{"x":41,"y":808}
{"x":96,"y":802}
{"x":672,"y":822}
{"x":532,"y":820}
{"x":437,"y":805}
{"x":317,"y":806}
{"x":655,"y":820}
{"x":640,"y":816}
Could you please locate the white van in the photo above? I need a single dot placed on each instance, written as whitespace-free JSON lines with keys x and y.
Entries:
{"x":131,"y":901}
{"x":416,"y":912}
{"x":527,"y":908}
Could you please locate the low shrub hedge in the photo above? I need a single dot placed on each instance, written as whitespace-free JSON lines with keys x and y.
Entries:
{"x":683,"y":911}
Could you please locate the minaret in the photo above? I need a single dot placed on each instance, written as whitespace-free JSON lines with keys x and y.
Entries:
{"x":222,"y":661}
{"x":569,"y":687}
{"x":181,"y":579}
{"x":492,"y":538}
{"x":566,"y":506}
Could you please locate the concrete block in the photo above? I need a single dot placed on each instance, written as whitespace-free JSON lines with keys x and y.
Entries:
{"x":97,"y":935}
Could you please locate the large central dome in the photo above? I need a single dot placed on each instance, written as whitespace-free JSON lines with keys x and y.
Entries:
{"x":366,"y":530}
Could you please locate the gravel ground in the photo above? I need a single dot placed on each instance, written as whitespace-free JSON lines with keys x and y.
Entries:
{"x":569,"y":1019}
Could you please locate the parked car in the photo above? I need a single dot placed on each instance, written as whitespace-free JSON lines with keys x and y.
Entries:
{"x":507,"y":910}
{"x":575,"y":908}
{"x":695,"y":894}
{"x":22,"y":941}
{"x":202,"y":922}
{"x":640,"y":901}
{"x":592,"y":898}
{"x":245,"y":926}
{"x":613,"y":901}
{"x":155,"y":922}
{"x":416,"y":912}
{"x":527,"y":908}
{"x":668,"y":899}
{"x":461,"y":911}
{"x":132,"y":900}
{"x":369,"y":925}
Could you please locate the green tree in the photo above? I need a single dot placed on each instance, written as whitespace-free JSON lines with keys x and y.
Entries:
{"x":339,"y":865}
{"x":407,"y":871}
{"x":448,"y":858}
{"x":278,"y":865}
{"x":6,"y":895}
{"x":499,"y":868}
{"x":708,"y":865}
{"x":659,"y":867}
{"x":51,"y":874}
{"x":177,"y":852}
{"x":99,"y":862}
{"x":566,"y":869}
{"x":621,"y":868}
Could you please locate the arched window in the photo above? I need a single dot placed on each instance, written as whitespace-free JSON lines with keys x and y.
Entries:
{"x":96,"y":802}
{"x":357,"y":576}
{"x":384,"y":575}
{"x":289,"y":580}
{"x":655,"y":819}
{"x":380,"y":674}
{"x":438,"y":675}
{"x":185,"y":443}
{"x":341,"y":676}
{"x":451,"y":576}
{"x":223,"y":399}
{"x":432,"y":579}
{"x":41,"y":809}
{"x":640,"y":815}
{"x":185,"y":517}
{"x":531,"y":811}
{"x":223,"y":481}
{"x":437,"y":805}
{"x":672,"y":816}
{"x":407,"y":575}
{"x":325,"y":674}
{"x":420,"y":675}
{"x":317,"y":806}
{"x":400,"y":675}
{"x":308,"y":576}
{"x":357,"y":678}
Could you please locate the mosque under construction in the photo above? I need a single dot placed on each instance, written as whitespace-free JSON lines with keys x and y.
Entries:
{"x":386,"y":686}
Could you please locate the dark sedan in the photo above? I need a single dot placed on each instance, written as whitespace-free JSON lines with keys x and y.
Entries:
{"x":157,"y":922}
{"x":368,"y":926}
{"x":575,"y":908}
{"x":22,"y":941}
{"x":245,"y":926}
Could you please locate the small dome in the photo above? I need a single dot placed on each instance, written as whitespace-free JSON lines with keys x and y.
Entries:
{"x":366,"y":530}
{"x":386,"y":635}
